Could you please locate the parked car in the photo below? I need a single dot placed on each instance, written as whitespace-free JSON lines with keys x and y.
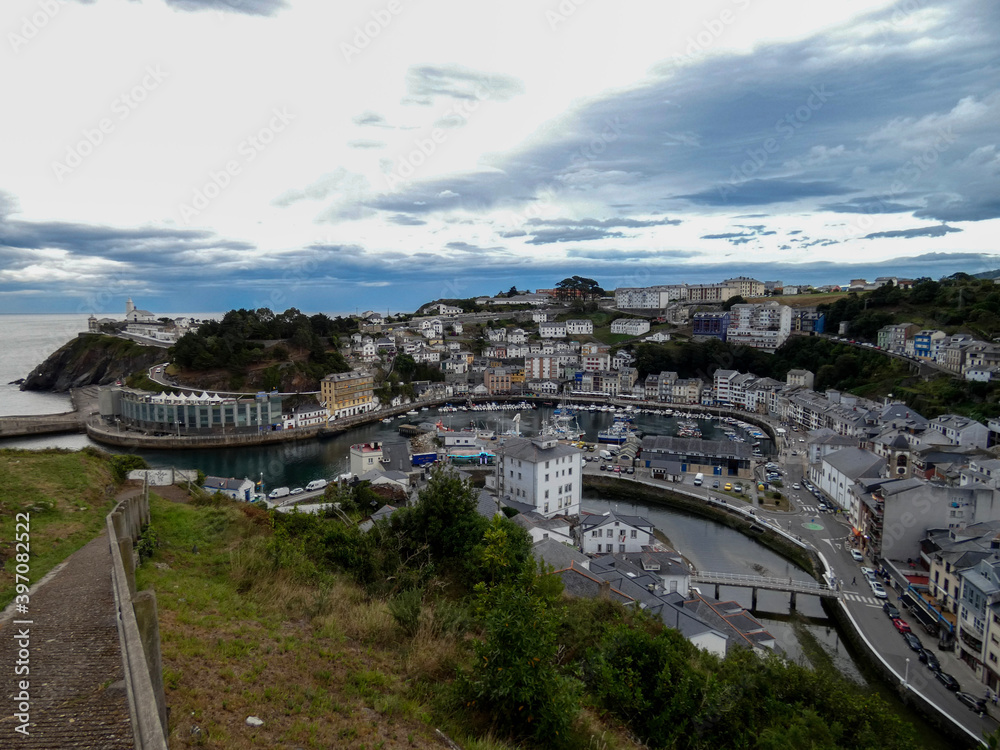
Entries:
{"x":947,"y":680}
{"x":913,"y":642}
{"x":630,"y":470}
{"x":856,"y":554}
{"x":975,"y":704}
{"x":297,"y":491}
{"x":604,"y":467}
{"x":868,"y":573}
{"x":928,"y":658}
{"x":890,"y":610}
{"x":877,"y":590}
{"x":715,"y":484}
{"x":900,"y":625}
{"x":728,"y":487}
{"x":796,"y":486}
{"x":737,"y":488}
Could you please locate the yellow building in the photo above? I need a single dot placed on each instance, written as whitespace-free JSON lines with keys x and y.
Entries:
{"x":347,"y":393}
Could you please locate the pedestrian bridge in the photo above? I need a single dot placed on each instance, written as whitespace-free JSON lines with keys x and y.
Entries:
{"x":793,"y":587}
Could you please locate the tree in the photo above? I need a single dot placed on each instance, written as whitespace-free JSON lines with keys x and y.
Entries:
{"x":444,"y":518}
{"x":515,"y":679}
{"x":578,"y":287}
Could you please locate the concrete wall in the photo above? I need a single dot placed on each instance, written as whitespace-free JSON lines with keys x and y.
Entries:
{"x":138,"y":627}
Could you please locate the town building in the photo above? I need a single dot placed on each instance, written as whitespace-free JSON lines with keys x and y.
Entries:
{"x":761,"y":326}
{"x":613,"y":532}
{"x":346,"y":394}
{"x":186,"y":413}
{"x":710,"y":325}
{"x":237,"y":489}
{"x":579,"y":327}
{"x":721,"y":458}
{"x":552,"y":330}
{"x":630,"y":326}
{"x":541,"y":472}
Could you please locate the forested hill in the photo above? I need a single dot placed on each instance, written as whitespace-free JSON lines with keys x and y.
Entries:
{"x":957,"y":304}
{"x":261,"y":349}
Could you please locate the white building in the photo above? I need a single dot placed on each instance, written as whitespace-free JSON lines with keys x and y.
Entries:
{"x":630,"y":326}
{"x":579,"y":327}
{"x":541,"y":472}
{"x":552,"y":330}
{"x":761,"y":326}
{"x":237,"y":489}
{"x":614,"y":533}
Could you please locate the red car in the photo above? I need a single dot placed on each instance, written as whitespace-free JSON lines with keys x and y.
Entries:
{"x":901,"y":626}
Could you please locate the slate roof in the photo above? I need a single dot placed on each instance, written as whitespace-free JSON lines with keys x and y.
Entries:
{"x":224,"y":483}
{"x":694,"y":447}
{"x":855,"y":462}
{"x":527,"y":450}
{"x":590,"y":521}
{"x":560,"y":556}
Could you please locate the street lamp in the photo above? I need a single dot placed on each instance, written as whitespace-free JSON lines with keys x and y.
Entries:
{"x":906,"y":674}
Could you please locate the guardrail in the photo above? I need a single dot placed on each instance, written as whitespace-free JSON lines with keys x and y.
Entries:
{"x":138,"y":627}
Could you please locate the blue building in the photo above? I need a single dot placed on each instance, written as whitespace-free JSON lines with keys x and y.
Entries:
{"x":710,"y":325}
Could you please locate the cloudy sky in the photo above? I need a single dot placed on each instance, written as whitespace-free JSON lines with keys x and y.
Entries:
{"x":201,"y":155}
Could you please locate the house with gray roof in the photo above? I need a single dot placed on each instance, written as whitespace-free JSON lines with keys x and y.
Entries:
{"x":837,"y":472}
{"x":541,"y":472}
{"x":735,"y":621}
{"x":237,"y":489}
{"x":665,"y":567}
{"x":614,"y":532}
{"x":579,"y":582}
{"x":949,"y":552}
{"x":559,"y":555}
{"x":539,"y":527}
{"x":960,"y":430}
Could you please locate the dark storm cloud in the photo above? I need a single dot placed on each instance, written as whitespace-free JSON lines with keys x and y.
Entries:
{"x":938,"y":231}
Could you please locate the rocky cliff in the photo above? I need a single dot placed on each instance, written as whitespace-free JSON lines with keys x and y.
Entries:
{"x":91,"y":359}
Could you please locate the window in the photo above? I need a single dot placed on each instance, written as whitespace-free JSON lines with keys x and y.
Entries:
{"x":518,"y":475}
{"x":570,"y":471}
{"x":546,"y":477}
{"x":595,"y":533}
{"x":546,"y":494}
{"x":621,"y":547}
{"x":546,"y":508}
{"x":598,"y":548}
{"x":635,"y":534}
{"x":610,"y":533}
{"x":546,"y":464}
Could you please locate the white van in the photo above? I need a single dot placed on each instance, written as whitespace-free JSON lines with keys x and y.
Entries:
{"x":698,"y":479}
{"x":279,"y":492}
{"x":316,"y":484}
{"x":606,"y":455}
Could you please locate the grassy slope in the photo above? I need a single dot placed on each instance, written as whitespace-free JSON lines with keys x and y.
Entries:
{"x":66,"y":496}
{"x":319,"y":664}
{"x":322,"y":664}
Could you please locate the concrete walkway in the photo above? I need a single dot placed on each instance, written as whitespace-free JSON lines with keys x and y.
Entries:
{"x":76,"y":681}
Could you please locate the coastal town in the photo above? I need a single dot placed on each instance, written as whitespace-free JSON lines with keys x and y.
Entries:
{"x":862,"y":487}
{"x":917,"y":498}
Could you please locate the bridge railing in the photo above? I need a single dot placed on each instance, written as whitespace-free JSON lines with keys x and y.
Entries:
{"x":708,"y":577}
